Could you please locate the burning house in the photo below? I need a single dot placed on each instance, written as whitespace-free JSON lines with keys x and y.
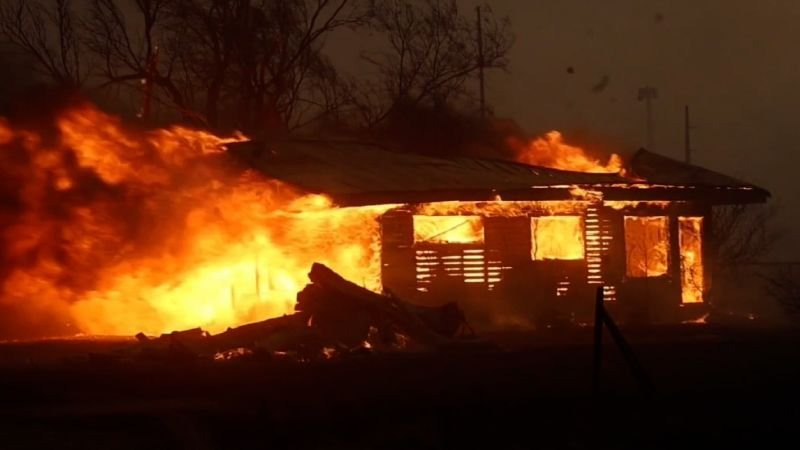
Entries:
{"x":113,"y":230}
{"x":513,"y":241}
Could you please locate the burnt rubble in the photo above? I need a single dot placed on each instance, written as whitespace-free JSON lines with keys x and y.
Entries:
{"x":334,"y":317}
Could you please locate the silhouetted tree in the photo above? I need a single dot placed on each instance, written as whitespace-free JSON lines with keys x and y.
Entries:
{"x":47,"y":34}
{"x":258,"y":64}
{"x":431,"y":53}
{"x":742,"y":234}
{"x":259,"y":61}
{"x":783,"y":284}
{"x":244,"y":63}
{"x":741,"y":237}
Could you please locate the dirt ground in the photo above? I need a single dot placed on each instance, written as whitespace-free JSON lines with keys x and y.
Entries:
{"x":716,"y":387}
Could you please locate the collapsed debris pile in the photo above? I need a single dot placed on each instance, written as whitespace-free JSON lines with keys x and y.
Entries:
{"x":333,"y":317}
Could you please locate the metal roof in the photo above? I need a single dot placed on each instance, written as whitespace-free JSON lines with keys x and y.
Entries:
{"x":357,"y":173}
{"x":658,"y":169}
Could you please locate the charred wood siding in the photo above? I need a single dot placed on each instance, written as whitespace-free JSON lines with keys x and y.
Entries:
{"x":397,"y":253}
{"x":656,"y":299}
{"x":501,"y":270}
{"x":508,"y":239}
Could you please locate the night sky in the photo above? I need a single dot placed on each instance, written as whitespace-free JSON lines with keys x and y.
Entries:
{"x":734,"y":62}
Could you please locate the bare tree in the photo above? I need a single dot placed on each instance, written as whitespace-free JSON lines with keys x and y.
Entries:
{"x":253,"y":63}
{"x":128,"y":47}
{"x":204,"y":49}
{"x":783,"y":284}
{"x":741,"y":237}
{"x":742,"y":234}
{"x":284,"y":75}
{"x":432,"y":53}
{"x":258,"y":64}
{"x":258,"y":60}
{"x":45,"y":32}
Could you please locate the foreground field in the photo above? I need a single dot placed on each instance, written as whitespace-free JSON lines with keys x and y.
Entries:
{"x":734,"y":388}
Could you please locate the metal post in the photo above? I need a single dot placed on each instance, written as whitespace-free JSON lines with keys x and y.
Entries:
{"x":601,"y":319}
{"x":599,"y":312}
{"x":687,"y":127}
{"x":649,"y":113}
{"x":625,"y":348}
{"x":648,"y":94}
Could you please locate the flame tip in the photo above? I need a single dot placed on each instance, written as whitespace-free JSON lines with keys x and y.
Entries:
{"x":551,"y":151}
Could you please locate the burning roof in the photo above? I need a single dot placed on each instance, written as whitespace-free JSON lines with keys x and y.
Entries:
{"x":359,"y":173}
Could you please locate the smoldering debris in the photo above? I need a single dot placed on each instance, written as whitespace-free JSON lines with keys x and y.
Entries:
{"x":334,"y":318}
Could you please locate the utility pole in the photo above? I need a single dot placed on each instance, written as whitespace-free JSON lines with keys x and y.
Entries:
{"x":481,"y":63}
{"x":687,"y":132}
{"x":647,"y":94}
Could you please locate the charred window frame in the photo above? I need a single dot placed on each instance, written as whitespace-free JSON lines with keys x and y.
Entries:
{"x":451,"y":248}
{"x":448,"y":229}
{"x":690,"y":242}
{"x":647,"y":246}
{"x":557,"y":237}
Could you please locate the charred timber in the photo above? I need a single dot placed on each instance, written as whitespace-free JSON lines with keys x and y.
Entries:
{"x":331,"y":313}
{"x":331,"y":297}
{"x":713,"y":195}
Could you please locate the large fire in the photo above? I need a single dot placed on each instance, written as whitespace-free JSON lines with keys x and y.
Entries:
{"x":551,"y":151}
{"x":118,"y":230}
{"x":122,"y":230}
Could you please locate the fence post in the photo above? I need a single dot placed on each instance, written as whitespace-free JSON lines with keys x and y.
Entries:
{"x":625,"y":348}
{"x":599,"y":312}
{"x":601,"y":319}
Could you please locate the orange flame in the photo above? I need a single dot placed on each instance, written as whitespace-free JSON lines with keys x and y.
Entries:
{"x":551,"y":151}
{"x":647,"y":246}
{"x":448,"y":229}
{"x":121,"y":230}
{"x":6,"y":135}
{"x":497,"y":208}
{"x":118,"y":230}
{"x":557,"y":237}
{"x":621,"y":205}
{"x":690,"y":239}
